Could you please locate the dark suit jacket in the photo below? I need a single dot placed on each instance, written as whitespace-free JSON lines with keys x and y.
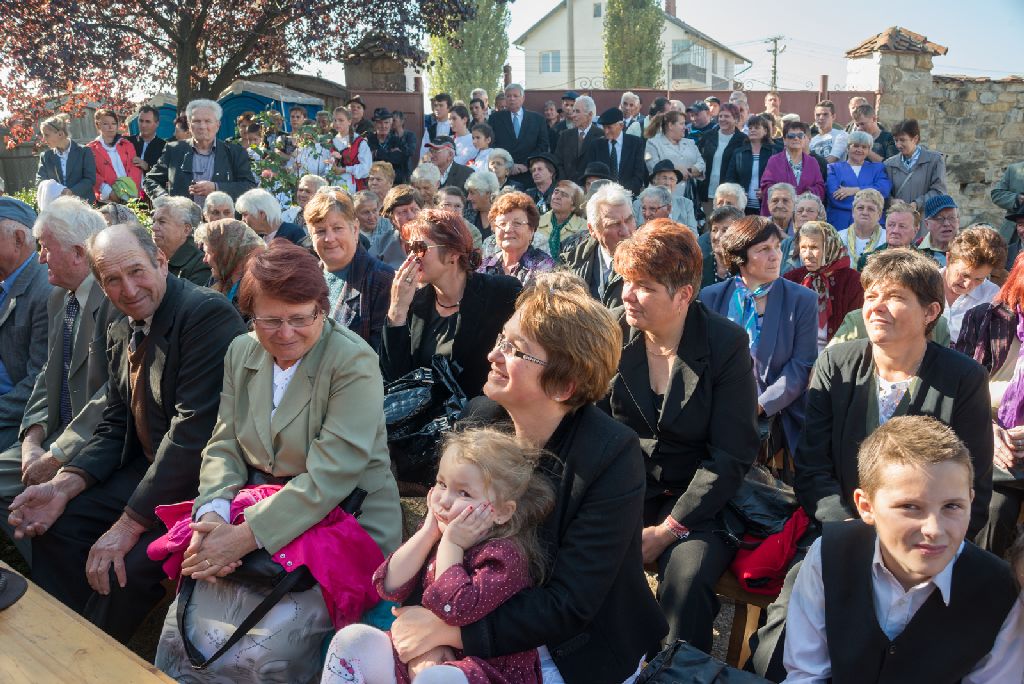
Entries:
{"x":741,"y":164}
{"x":700,"y":443}
{"x":153,"y":150}
{"x":570,"y":153}
{"x":953,"y":389}
{"x":533,"y":138}
{"x":581,"y":257}
{"x":394,"y":151}
{"x":232,"y":170}
{"x":23,"y":324}
{"x":489,"y":301}
{"x":708,"y":145}
{"x":188,"y":263}
{"x":632,"y":172}
{"x":786,"y":351}
{"x":594,"y":611}
{"x":188,"y":338}
{"x":81,"y":171}
{"x":291,"y":232}
{"x":458,"y":174}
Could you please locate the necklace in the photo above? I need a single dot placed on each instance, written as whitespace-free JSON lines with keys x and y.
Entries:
{"x":660,"y":356}
{"x":448,"y":306}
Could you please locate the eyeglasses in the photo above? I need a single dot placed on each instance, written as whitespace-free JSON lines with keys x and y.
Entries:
{"x":292,"y":321}
{"x":503,"y":345}
{"x":418,"y":247}
{"x":505,"y":225}
{"x":650,"y":210}
{"x":946,"y":220}
{"x":794,"y":136}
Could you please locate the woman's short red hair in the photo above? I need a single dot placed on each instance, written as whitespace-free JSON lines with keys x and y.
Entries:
{"x":286,"y":272}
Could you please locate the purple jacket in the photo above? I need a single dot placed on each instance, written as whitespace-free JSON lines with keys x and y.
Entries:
{"x":778,"y":171}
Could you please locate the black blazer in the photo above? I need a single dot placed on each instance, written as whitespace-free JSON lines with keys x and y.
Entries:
{"x":700,"y":443}
{"x":153,"y":150}
{"x":533,"y":135}
{"x":708,"y":146}
{"x":595,"y":611}
{"x":741,"y":164}
{"x":489,"y":301}
{"x":581,"y":257}
{"x":188,"y":338}
{"x":570,"y":154}
{"x":458,"y":174}
{"x":81,"y":171}
{"x":842,"y":395}
{"x":393,"y":151}
{"x":632,"y":172}
{"x":293,"y":233}
{"x":232,"y":170}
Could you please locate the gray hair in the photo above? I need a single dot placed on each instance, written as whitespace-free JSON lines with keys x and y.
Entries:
{"x":608,"y":195}
{"x":70,"y":221}
{"x":190,"y":109}
{"x":483,"y":181}
{"x":219,"y":198}
{"x":426,"y":172}
{"x":809,"y":196}
{"x":118,"y":213}
{"x":656,"y":192}
{"x":317,"y":181}
{"x":182,"y":209}
{"x":861,"y":138}
{"x":588,"y":105}
{"x":480,"y":93}
{"x":629,"y":96}
{"x":724,"y":213}
{"x":141,"y":235}
{"x":515,"y":86}
{"x":783,"y":187}
{"x":364,"y":196}
{"x":499,"y":153}
{"x":736,"y":191}
{"x":259,"y":200}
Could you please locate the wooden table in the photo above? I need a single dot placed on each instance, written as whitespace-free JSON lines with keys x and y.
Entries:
{"x":42,"y":640}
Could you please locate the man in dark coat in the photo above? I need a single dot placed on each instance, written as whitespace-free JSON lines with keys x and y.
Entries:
{"x":573,"y":143}
{"x":148,"y":147}
{"x":624,"y":154}
{"x":442,"y":154}
{"x":175,"y":219}
{"x":520,"y":132}
{"x":92,"y":522}
{"x":387,"y":146}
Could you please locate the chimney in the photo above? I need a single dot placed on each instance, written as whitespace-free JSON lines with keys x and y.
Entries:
{"x":670,"y":7}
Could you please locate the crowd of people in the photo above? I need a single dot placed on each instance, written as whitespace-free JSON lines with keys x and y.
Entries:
{"x":645,"y":313}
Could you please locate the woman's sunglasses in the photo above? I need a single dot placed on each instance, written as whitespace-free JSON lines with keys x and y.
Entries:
{"x":418,"y":247}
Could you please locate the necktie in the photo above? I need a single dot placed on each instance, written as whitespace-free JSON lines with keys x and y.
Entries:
{"x":70,"y":314}
{"x":579,"y":143}
{"x":613,"y":159}
{"x":138,"y":335}
{"x":516,"y":123}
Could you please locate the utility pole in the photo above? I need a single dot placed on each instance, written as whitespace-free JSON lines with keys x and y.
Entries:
{"x":571,"y":43}
{"x":775,"y":51}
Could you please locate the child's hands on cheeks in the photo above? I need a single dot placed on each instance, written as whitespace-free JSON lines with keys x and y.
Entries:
{"x":471,"y":526}
{"x":430,"y":528}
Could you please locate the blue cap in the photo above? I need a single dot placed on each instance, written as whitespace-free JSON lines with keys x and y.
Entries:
{"x":936,"y":204}
{"x":17,"y":211}
{"x":570,"y":95}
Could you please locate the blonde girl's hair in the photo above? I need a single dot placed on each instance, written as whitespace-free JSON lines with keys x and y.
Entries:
{"x":510,"y":468}
{"x":60,"y":123}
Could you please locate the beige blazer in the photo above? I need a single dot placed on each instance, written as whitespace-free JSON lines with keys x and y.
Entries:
{"x":327,"y":434}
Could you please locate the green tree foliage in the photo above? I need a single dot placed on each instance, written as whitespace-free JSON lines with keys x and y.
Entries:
{"x":632,"y":44}
{"x":473,"y":56}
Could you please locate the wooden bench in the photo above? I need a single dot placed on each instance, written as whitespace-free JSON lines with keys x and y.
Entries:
{"x":42,"y":640}
{"x":744,"y":618}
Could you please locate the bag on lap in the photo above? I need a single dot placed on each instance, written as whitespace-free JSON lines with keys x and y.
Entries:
{"x":682,"y":663}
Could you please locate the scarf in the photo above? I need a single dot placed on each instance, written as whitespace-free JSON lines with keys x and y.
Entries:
{"x":743,"y":309}
{"x":555,"y":239}
{"x":1011,"y":408}
{"x":835,"y":258}
{"x":908,"y":163}
{"x":851,"y":241}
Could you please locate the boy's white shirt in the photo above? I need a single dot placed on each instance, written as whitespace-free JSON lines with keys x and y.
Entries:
{"x":806,"y":656}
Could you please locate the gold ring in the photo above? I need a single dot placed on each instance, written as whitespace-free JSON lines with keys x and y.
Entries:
{"x":208,"y":564}
{"x":408,"y":280}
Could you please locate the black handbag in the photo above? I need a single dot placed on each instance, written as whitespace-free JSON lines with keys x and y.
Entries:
{"x":259,"y":570}
{"x":760,"y":507}
{"x":419,"y":408}
{"x":681,"y":663}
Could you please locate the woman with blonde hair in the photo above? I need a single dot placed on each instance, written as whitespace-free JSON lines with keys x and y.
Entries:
{"x":666,"y":134}
{"x":865,"y":234}
{"x":65,"y":161}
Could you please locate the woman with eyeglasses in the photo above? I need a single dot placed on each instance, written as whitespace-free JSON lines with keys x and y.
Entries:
{"x":793,"y":166}
{"x":440,"y":305}
{"x":515,"y":249}
{"x":299,"y":428}
{"x":593,"y":617}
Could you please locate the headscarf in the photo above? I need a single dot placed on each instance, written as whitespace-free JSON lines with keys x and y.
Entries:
{"x":834,"y":257}
{"x":743,"y":309}
{"x":1011,"y":407}
{"x":48,"y":191}
{"x":229,"y":243}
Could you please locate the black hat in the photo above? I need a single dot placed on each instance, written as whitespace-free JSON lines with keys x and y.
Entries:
{"x":596,"y":170}
{"x":610,"y":116}
{"x":382,"y":114}
{"x":699,"y":106}
{"x":712,"y":99}
{"x":441,"y":141}
{"x":570,"y":95}
{"x":12,"y":587}
{"x":546,"y":157}
{"x":357,"y":99}
{"x":665,"y":165}
{"x":1016,"y":214}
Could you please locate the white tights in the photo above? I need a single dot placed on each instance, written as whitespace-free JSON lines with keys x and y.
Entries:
{"x":360,"y":654}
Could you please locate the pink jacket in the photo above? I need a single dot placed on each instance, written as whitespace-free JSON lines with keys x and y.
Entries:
{"x":338,"y":552}
{"x":777,"y":170}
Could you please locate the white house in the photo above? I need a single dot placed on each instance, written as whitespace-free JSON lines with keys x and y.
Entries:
{"x":557,"y":57}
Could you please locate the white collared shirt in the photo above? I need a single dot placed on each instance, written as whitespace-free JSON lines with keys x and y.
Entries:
{"x":63,"y":158}
{"x":806,"y":656}
{"x":954,"y":313}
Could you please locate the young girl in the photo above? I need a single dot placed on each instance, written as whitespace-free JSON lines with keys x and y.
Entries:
{"x":459,"y":119}
{"x":351,"y":154}
{"x":477,"y":547}
{"x":483,"y":136}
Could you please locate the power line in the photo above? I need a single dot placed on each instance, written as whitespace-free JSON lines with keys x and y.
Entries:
{"x":775,"y":51}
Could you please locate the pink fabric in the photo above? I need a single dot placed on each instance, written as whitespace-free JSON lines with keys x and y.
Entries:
{"x":777,"y":170}
{"x":338,"y":552}
{"x":490,"y":574}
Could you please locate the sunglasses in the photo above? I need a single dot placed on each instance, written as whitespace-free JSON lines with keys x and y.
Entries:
{"x":418,"y":247}
{"x":794,"y":136}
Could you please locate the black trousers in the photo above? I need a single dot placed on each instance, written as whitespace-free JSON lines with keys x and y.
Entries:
{"x":687,"y":573}
{"x":59,"y":557}
{"x":1003,"y":511}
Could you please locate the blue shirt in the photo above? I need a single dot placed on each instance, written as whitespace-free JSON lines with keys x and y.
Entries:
{"x":6,"y":384}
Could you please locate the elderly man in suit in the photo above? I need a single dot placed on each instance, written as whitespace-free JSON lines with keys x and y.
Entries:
{"x":174,"y":221}
{"x":520,"y":132}
{"x":610,"y":220}
{"x":65,"y":405}
{"x":148,"y":147}
{"x":574,"y":142}
{"x":92,"y":522}
{"x":23,"y":294}
{"x":442,"y":154}
{"x":623,"y":154}
{"x":194,"y":168}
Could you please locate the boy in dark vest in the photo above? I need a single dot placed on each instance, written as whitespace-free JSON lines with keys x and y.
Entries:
{"x":898,"y":596}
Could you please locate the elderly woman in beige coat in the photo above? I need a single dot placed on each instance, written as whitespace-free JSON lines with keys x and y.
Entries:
{"x":300,"y":407}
